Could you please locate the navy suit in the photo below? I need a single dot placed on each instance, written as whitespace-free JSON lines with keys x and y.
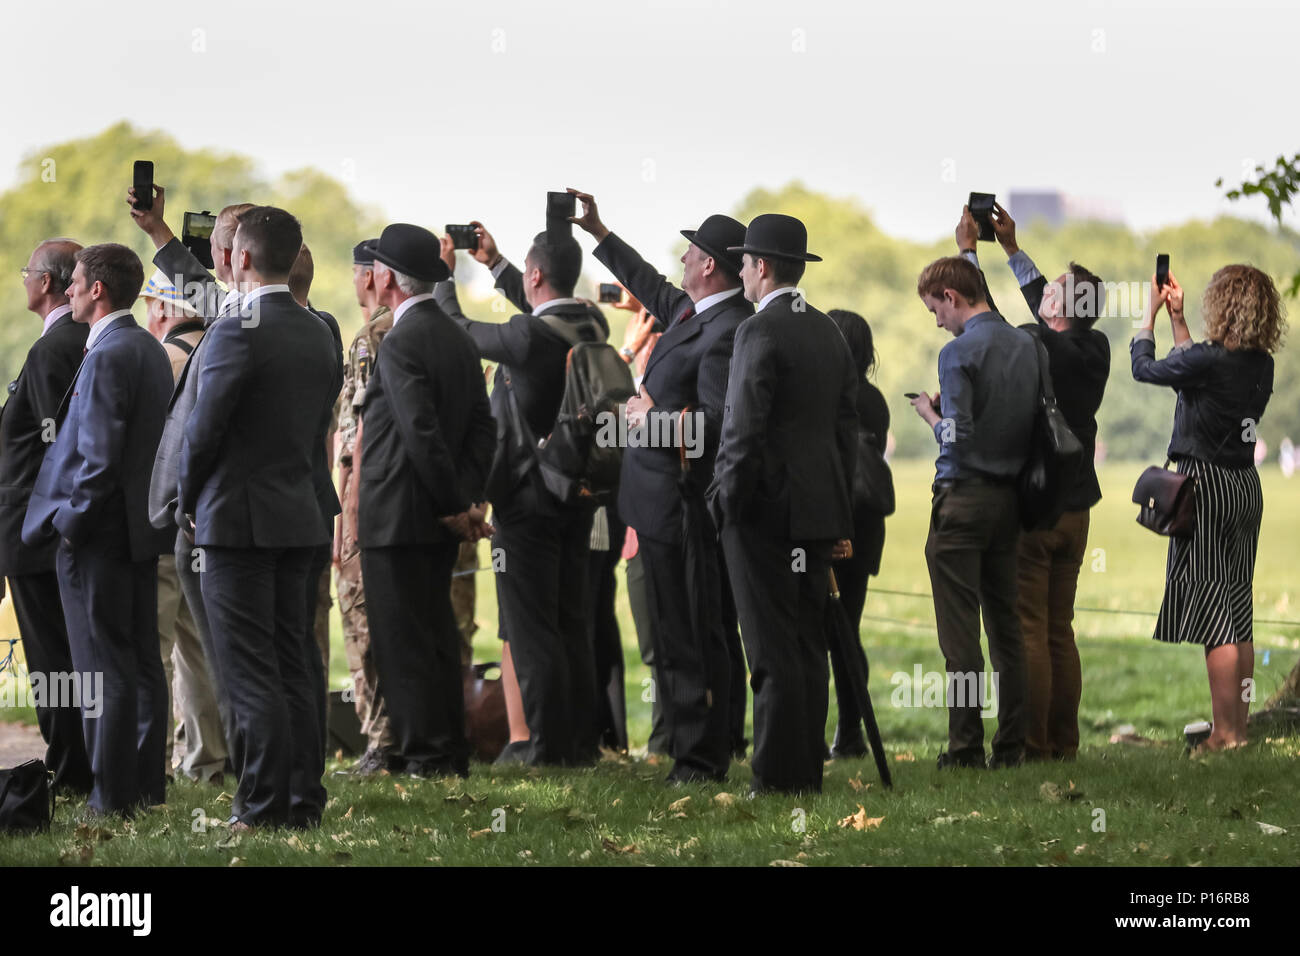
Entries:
{"x":92,"y":492}
{"x":688,"y":369}
{"x":781,"y":496}
{"x":25,"y":435}
{"x":267,"y":389}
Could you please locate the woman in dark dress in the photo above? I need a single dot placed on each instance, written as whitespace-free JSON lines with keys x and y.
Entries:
{"x":1223,"y":386}
{"x":868,"y":533}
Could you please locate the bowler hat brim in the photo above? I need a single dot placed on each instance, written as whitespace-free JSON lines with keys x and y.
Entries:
{"x":434,"y":272}
{"x":774,"y":254}
{"x":720,"y":253}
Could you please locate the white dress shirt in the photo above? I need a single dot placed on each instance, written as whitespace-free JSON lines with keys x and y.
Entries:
{"x":406,"y":304}
{"x":100,"y":327}
{"x":709,"y":301}
{"x":773,"y":294}
{"x":56,"y":313}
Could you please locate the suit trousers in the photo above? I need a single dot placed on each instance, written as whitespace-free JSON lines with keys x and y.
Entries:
{"x":194,"y":701}
{"x":780,"y":589}
{"x":39,"y":611}
{"x":254,"y":599}
{"x":737,"y":696}
{"x":318,"y":626}
{"x":694,"y":670}
{"x":607,"y":642}
{"x":189,"y":564}
{"x":111,"y":605}
{"x":416,"y":648}
{"x":541,"y":597}
{"x":1047,"y":575}
{"x":638,"y":602}
{"x":971,"y":552}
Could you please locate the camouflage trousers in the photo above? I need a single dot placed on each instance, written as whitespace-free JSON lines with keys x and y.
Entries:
{"x":356,"y":638}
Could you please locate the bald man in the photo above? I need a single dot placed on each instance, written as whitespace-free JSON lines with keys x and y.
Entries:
{"x":26,"y":431}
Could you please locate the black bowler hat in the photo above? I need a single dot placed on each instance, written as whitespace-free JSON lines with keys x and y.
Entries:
{"x":363,"y":253}
{"x":715,"y":235}
{"x":413,"y":251}
{"x":775,"y":236}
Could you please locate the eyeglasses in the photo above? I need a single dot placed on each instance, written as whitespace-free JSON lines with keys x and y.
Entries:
{"x":31,"y":272}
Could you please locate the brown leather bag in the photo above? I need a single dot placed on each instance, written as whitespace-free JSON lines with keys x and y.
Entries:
{"x":1167,"y":501}
{"x":486,"y":725}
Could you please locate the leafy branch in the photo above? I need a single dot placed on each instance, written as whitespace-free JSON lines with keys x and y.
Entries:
{"x":1279,"y":187}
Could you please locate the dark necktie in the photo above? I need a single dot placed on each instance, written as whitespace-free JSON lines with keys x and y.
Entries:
{"x":690,"y":311}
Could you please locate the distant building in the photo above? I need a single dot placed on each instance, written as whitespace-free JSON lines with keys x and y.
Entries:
{"x":1054,"y":208}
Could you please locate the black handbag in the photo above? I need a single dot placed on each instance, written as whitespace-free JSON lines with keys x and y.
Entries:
{"x":873,"y":482}
{"x":1055,"y":453}
{"x":1166,"y":501}
{"x":26,"y":803}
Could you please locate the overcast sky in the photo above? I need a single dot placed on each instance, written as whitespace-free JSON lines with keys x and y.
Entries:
{"x":668,"y":111}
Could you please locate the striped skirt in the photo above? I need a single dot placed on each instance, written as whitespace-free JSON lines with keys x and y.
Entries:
{"x":1209,"y":576}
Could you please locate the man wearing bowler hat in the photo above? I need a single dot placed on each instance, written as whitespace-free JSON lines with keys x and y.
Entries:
{"x":426,"y":446}
{"x":781,"y":497}
{"x":686,"y":373}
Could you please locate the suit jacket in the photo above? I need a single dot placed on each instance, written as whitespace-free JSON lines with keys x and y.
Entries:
{"x":326,"y":494}
{"x":182,"y":269}
{"x":688,"y":368}
{"x":34,"y":398}
{"x":95,"y":477}
{"x":428,"y":433}
{"x":533,"y":357}
{"x":265,"y":395}
{"x":789,"y":435}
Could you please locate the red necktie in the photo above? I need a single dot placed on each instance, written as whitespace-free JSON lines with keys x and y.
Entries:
{"x":690,"y":311}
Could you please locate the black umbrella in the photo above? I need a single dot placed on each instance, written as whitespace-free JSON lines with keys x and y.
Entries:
{"x":840,"y":632}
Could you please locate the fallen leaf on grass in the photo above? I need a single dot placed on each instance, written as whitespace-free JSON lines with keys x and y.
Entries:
{"x":786,"y":863}
{"x":904,"y":758}
{"x":609,"y":846}
{"x":724,"y":799}
{"x":294,"y":843}
{"x":945,"y":821}
{"x":1270,"y":830}
{"x":860,"y":820}
{"x":679,"y":805}
{"x":236,"y":861}
{"x":475,"y":834}
{"x":224,"y":797}
{"x":230,"y":842}
{"x":401,"y":791}
{"x":348,"y":815}
{"x":856,"y":783}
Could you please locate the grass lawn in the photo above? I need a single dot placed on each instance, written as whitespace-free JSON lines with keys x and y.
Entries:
{"x":1117,"y":805}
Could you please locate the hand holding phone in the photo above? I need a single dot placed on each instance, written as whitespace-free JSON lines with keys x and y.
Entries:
{"x":1162,"y":270}
{"x":981,"y":210}
{"x":142,"y":180}
{"x":463,"y":236}
{"x":559,"y":208}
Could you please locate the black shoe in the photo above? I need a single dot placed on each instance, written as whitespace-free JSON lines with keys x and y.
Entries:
{"x":1003,"y":761}
{"x":848,"y":746}
{"x":961,"y":759}
{"x":682,"y":774}
{"x":514,"y":752}
{"x":372,"y":762}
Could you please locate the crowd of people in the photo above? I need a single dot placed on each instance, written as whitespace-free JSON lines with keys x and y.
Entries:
{"x":209,"y":437}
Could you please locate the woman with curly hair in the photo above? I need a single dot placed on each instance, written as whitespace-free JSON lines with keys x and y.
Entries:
{"x":1223,"y":386}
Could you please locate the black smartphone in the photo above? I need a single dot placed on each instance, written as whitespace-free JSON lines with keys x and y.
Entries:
{"x":981,"y":209}
{"x":196,"y":235}
{"x":462,"y":236}
{"x":611,"y":292}
{"x":910,"y":396}
{"x":1162,"y":270}
{"x":142,"y":180}
{"x":559,"y":207}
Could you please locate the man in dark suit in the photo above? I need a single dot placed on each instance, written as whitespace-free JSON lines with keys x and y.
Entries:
{"x":426,"y":447}
{"x":781,"y":497}
{"x":26,"y":430}
{"x":211,"y":296}
{"x":247,"y":489}
{"x":91,"y":492}
{"x":318,"y":585}
{"x":541,"y":593}
{"x":686,"y":373}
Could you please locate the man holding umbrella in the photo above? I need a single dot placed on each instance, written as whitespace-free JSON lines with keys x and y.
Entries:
{"x":661,"y":489}
{"x":781,"y":497}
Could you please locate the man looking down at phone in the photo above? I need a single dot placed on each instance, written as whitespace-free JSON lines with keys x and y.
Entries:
{"x":988,"y":380}
{"x":1048,"y":561}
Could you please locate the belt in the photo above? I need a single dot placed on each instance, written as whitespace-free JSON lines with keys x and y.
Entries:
{"x":991,"y":481}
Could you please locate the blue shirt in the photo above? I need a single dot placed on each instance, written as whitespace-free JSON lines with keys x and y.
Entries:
{"x":988,"y":387}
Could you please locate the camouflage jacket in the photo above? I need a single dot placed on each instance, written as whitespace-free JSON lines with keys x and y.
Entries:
{"x":356,"y":374}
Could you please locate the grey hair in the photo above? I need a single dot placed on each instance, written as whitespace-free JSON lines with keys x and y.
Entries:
{"x":58,"y":257}
{"x":408,"y":284}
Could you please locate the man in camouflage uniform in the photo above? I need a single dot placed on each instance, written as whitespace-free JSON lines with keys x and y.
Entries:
{"x":347,"y":557}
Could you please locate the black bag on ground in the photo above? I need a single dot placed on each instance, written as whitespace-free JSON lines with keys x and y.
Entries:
{"x":25,"y":799}
{"x":573,"y":465}
{"x":1055,"y":453}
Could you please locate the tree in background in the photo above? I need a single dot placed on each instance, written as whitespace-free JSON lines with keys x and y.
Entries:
{"x":78,"y":189}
